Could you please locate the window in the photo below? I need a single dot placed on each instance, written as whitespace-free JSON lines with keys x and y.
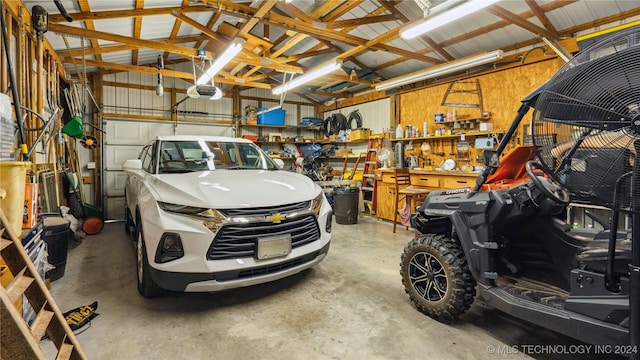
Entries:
{"x":145,"y":156}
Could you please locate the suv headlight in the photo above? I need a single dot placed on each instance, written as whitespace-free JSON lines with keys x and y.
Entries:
{"x":211,"y":218}
{"x":316,"y":203}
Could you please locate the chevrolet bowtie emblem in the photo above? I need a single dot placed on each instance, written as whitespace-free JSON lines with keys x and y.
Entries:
{"x":275,"y":218}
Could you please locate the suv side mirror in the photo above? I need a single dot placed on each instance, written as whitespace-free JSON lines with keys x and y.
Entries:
{"x":491,"y":159}
{"x":133,"y":165}
{"x":279,"y":162}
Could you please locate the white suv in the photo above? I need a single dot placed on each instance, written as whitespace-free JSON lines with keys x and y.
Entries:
{"x":213,"y":213}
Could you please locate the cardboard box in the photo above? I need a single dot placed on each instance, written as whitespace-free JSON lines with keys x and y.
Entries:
{"x":360,"y":134}
{"x":30,"y":212}
{"x":486,"y":126}
{"x":343,"y":152}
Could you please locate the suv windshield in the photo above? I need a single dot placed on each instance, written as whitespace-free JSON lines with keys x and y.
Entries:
{"x":199,"y":155}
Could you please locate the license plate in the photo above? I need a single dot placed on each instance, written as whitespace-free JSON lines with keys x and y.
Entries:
{"x":274,"y":246}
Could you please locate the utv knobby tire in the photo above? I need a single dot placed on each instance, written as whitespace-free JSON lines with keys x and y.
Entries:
{"x":436,"y":276}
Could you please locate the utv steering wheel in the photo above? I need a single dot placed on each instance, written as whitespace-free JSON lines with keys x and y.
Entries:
{"x":546,"y":184}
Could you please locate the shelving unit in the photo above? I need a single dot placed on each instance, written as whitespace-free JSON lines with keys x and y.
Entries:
{"x":453,"y":136}
{"x":298,"y":129}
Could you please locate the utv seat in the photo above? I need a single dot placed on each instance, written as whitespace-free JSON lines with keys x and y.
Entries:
{"x":594,"y":257}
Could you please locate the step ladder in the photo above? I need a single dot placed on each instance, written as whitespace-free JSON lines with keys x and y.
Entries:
{"x":464,"y":94}
{"x":19,"y":340}
{"x":369,"y":182}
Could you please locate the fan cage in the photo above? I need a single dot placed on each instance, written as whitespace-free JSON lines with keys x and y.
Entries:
{"x":586,"y":123}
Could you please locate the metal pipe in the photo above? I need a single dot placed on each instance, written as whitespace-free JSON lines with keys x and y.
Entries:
{"x":634,"y":267}
{"x":613,"y":234}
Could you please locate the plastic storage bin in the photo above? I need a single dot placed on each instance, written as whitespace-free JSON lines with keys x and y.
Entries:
{"x":273,"y":117}
{"x":345,"y":205}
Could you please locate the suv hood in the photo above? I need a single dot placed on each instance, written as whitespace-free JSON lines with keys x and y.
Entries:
{"x":233,"y":188}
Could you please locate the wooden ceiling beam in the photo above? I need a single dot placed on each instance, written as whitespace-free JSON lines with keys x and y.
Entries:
{"x":116,"y":48}
{"x":175,"y":29}
{"x":203,"y":29}
{"x":519,"y":21}
{"x":137,"y":28}
{"x":168,"y":72}
{"x":212,"y":21}
{"x":391,"y":6}
{"x":306,"y":54}
{"x":141,"y":87}
{"x":541,"y":16}
{"x":84,"y":7}
{"x":361,"y":21}
{"x":244,"y":31}
{"x":162,"y":45}
{"x":121,"y":14}
{"x":263,"y":10}
{"x":245,"y":12}
{"x":344,"y":8}
{"x":502,"y":23}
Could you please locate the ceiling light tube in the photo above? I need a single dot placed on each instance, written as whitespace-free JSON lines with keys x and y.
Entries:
{"x":308,"y":76}
{"x":229,"y":53}
{"x":446,"y":17}
{"x":435,"y":71}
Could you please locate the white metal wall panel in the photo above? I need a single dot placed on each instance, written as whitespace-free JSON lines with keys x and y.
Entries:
{"x":375,"y":114}
{"x":115,"y":155}
{"x":114,"y":182}
{"x":204,"y":129}
{"x":129,"y":132}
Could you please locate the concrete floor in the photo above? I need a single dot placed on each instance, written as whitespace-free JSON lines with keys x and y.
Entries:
{"x":351,"y":306}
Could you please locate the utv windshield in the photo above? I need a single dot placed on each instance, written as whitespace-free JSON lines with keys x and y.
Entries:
{"x":200,"y":155}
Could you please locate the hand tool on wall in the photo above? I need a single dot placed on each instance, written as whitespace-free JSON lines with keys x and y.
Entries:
{"x":451,"y":147}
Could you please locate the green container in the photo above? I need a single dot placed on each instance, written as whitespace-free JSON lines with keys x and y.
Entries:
{"x":92,"y":211}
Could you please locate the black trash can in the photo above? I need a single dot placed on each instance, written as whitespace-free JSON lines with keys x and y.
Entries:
{"x":57,"y":234}
{"x":345,"y":205}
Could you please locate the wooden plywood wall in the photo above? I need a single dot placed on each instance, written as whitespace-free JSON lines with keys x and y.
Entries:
{"x":501,"y":94}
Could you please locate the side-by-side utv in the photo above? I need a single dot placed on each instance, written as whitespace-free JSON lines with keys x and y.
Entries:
{"x":506,"y":242}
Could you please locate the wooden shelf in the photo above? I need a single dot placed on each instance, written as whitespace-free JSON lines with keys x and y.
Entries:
{"x":454,"y":136}
{"x":459,"y":120}
{"x":288,"y":127}
{"x":286,"y":142}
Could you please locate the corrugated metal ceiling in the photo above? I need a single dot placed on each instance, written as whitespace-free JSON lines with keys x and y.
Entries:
{"x":452,"y":41}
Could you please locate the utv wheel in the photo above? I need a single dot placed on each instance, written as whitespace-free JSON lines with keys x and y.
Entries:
{"x":436,"y":276}
{"x":146,"y":286}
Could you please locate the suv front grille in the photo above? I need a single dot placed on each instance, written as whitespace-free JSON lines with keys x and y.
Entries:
{"x":240,"y":240}
{"x":266,"y":211}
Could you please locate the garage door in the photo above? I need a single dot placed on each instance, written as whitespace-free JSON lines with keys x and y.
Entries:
{"x":123,"y":141}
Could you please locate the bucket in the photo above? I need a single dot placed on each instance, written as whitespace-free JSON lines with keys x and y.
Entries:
{"x":57,"y":233}
{"x":13,"y":176}
{"x":345,"y":205}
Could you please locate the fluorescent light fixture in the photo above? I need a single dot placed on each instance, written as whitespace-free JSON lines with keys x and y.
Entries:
{"x":229,"y":53}
{"x":556,"y":49}
{"x":308,"y":76}
{"x":435,"y":71}
{"x":446,"y":17}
